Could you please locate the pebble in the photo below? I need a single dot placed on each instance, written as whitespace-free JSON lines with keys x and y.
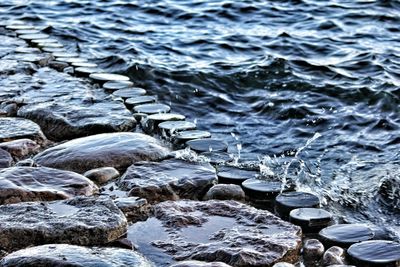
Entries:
{"x":207,"y":145}
{"x":334,"y":255}
{"x":310,"y":219}
{"x":344,"y":235}
{"x":375,"y":253}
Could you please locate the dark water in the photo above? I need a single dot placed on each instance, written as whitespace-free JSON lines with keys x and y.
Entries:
{"x":267,"y":75}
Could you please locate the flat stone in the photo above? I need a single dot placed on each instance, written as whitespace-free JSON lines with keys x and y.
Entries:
{"x":84,"y":71}
{"x":77,"y":256}
{"x":344,"y":235}
{"x":219,"y":158}
{"x":182,"y":137}
{"x":26,"y":50}
{"x":83,"y":64}
{"x":80,"y":221}
{"x":150,"y":123}
{"x":225,"y":192}
{"x":117,"y":85}
{"x":27,"y":31}
{"x":129,"y":92}
{"x":168,"y":128}
{"x":20,"y":27}
{"x":104,"y":77}
{"x":36,"y":58}
{"x":234,"y":175}
{"x":135,"y":209}
{"x":34,"y":36}
{"x":288,"y":201}
{"x":50,"y":45}
{"x":71,"y":59}
{"x":118,"y":150}
{"x":53,"y":49}
{"x":199,"y":264}
{"x":334,"y":255}
{"x":168,"y":180}
{"x":19,"y":128}
{"x":102,"y":175}
{"x":65,"y":55}
{"x":5,"y":159}
{"x":283,"y":264}
{"x":207,"y":145}
{"x":152,"y":108}
{"x":375,"y":253}
{"x":13,"y":66}
{"x":310,"y":219}
{"x":22,"y":184}
{"x":139,"y":100}
{"x":224,"y":231}
{"x":260,"y":189}
{"x":42,"y":41}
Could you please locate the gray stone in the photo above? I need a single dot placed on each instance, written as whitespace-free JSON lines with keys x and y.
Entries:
{"x":18,"y":128}
{"x":20,"y":148}
{"x":225,"y":192}
{"x":199,"y":264}
{"x":5,"y":159}
{"x":134,"y":208}
{"x":334,"y":255}
{"x":102,"y":175}
{"x":21,"y":184}
{"x":313,"y":249}
{"x":80,"y":221}
{"x":77,"y":256}
{"x":225,"y":231}
{"x":168,"y":180}
{"x":118,"y":150}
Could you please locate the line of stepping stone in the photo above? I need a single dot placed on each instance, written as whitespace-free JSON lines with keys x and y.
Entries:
{"x":300,"y":208}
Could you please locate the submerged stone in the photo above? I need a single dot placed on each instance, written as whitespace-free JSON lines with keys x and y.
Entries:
{"x":310,"y":219}
{"x":80,"y":221}
{"x":19,"y":128}
{"x":118,"y":150}
{"x":375,"y":253}
{"x":184,"y":136}
{"x":168,"y":180}
{"x":77,"y":256}
{"x":344,"y":235}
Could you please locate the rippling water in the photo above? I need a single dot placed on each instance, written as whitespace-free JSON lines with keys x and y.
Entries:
{"x":268,"y":75}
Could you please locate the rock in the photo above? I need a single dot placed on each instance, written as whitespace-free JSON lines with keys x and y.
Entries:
{"x":21,"y":184}
{"x":77,"y":256}
{"x":80,"y":221}
{"x":5,"y":159}
{"x":225,"y":192}
{"x":288,"y":201}
{"x":129,"y":92}
{"x":105,"y":77}
{"x":152,"y":108}
{"x":375,"y":253}
{"x":117,"y":85}
{"x":20,"y":148}
{"x":225,"y":231}
{"x":311,"y":220}
{"x":118,"y":150}
{"x":233,"y":175}
{"x":26,"y":163}
{"x":313,"y":250}
{"x":344,"y":235}
{"x":150,"y":123}
{"x":283,"y":264}
{"x":102,"y":175}
{"x":30,"y":37}
{"x":199,"y":264}
{"x":168,"y":180}
{"x":139,"y":100}
{"x":341,"y":265}
{"x":58,"y":65}
{"x":8,"y":109}
{"x":389,"y":190}
{"x":207,"y":145}
{"x":183,"y":136}
{"x":18,"y":128}
{"x":134,"y":208}
{"x":168,"y":128}
{"x":334,"y":255}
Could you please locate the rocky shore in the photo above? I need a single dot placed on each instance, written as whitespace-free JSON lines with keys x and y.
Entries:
{"x":92,"y":174}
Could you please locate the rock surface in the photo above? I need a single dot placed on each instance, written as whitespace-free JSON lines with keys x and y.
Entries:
{"x":5,"y":159}
{"x":118,"y":150}
{"x":81,"y":221}
{"x":102,"y":175}
{"x":18,"y":128}
{"x":168,"y":180}
{"x":225,"y":231}
{"x":77,"y":256}
{"x":21,"y":184}
{"x":20,"y":148}
{"x":225,"y":192}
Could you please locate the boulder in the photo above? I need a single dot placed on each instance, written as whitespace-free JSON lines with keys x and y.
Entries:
{"x":102,"y":175}
{"x":18,"y":128}
{"x":225,"y":192}
{"x":221,"y":231}
{"x":77,"y":256}
{"x":20,"y":148}
{"x":22,"y":184}
{"x":170,"y":179}
{"x":5,"y":159}
{"x":118,"y":150}
{"x":81,"y":221}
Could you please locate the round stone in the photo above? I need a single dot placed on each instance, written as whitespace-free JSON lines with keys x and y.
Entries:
{"x":288,"y":201}
{"x":104,"y":77}
{"x":310,"y":219}
{"x":71,"y":59}
{"x":259,"y":189}
{"x":129,"y":92}
{"x":20,"y":27}
{"x":85,"y":72}
{"x":375,"y":253}
{"x":152,"y":108}
{"x":233,"y":175}
{"x":42,"y":41}
{"x":344,"y":235}
{"x":20,"y":32}
{"x":65,"y":54}
{"x":191,"y":135}
{"x":139,"y":100}
{"x":117,"y":85}
{"x":170,"y":127}
{"x":34,"y":36}
{"x":207,"y":145}
{"x":84,"y":64}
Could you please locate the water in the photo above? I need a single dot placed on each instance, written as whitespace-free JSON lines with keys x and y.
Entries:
{"x":265,"y":76}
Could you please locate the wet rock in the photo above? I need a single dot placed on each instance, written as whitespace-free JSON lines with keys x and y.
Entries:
{"x":80,"y":221}
{"x":375,"y":253}
{"x":77,"y":256}
{"x":118,"y":150}
{"x":65,"y":54}
{"x":70,"y":59}
{"x":313,"y":250}
{"x":225,"y":192}
{"x":84,"y":71}
{"x":344,"y":235}
{"x":168,"y":180}
{"x":233,"y":175}
{"x":21,"y":184}
{"x":152,"y":108}
{"x":311,"y":220}
{"x":5,"y":159}
{"x":207,"y":145}
{"x":18,"y":128}
{"x":288,"y":201}
{"x":27,"y":50}
{"x":225,"y":231}
{"x":102,"y":175}
{"x":134,"y":208}
{"x":218,"y":158}
{"x":83,"y":64}
{"x":199,"y":264}
{"x":19,"y":26}
{"x":283,"y":264}
{"x":20,"y":148}
{"x":334,"y":255}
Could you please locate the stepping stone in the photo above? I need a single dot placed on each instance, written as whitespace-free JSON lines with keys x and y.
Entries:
{"x":170,"y":127}
{"x":53,"y":49}
{"x":129,"y":92}
{"x":71,"y":59}
{"x":345,"y":235}
{"x":83,"y":64}
{"x":30,"y":31}
{"x":217,"y":158}
{"x":118,"y":150}
{"x":18,"y":128}
{"x":310,"y":219}
{"x":207,"y":145}
{"x":117,"y":85}
{"x":221,"y":231}
{"x":150,"y":123}
{"x":27,"y":50}
{"x":65,"y":55}
{"x":85,"y":72}
{"x":43,"y":41}
{"x":104,"y":77}
{"x":375,"y":253}
{"x":152,"y":108}
{"x":168,"y":180}
{"x":30,"y":37}
{"x":80,"y":221}
{"x":182,"y":137}
{"x":5,"y":160}
{"x":22,"y":184}
{"x":288,"y":201}
{"x":50,"y":45}
{"x":139,"y":100}
{"x":20,"y":27}
{"x":233,"y":175}
{"x":77,"y":256}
